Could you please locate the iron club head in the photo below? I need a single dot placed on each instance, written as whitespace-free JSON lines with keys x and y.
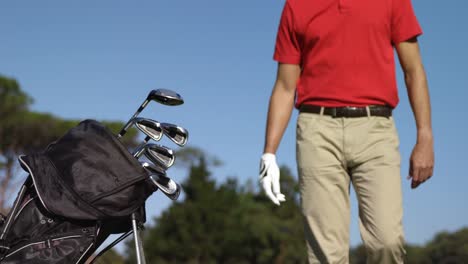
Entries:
{"x":160,"y":155}
{"x":149,"y":127}
{"x":159,"y":178}
{"x":177,"y":134}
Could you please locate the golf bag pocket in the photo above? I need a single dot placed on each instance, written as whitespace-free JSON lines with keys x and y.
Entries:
{"x":62,"y":249}
{"x":33,"y":235}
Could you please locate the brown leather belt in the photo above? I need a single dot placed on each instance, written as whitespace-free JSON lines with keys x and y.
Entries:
{"x":349,"y":111}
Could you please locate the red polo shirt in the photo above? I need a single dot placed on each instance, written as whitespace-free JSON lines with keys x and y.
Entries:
{"x":345,"y":49}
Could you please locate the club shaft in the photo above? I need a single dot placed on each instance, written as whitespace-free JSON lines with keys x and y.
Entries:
{"x":138,"y":245}
{"x":139,"y":150}
{"x":129,"y":123}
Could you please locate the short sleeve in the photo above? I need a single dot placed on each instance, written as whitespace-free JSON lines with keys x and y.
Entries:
{"x":404,"y":22}
{"x":287,"y":46}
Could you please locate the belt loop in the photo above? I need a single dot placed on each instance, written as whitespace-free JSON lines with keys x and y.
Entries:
{"x":368,"y":111}
{"x":322,"y":109}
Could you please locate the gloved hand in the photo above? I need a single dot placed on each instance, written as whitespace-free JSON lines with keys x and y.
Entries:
{"x":270,"y":178}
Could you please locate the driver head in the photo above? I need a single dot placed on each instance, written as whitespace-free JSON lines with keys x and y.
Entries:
{"x":166,"y":97}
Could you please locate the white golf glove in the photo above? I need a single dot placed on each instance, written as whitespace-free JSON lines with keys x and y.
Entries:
{"x":270,"y":178}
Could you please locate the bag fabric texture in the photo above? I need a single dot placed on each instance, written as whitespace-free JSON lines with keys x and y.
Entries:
{"x":88,"y":174}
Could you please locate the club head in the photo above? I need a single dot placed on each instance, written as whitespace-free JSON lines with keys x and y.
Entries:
{"x":177,"y":134}
{"x":153,"y":168}
{"x":150,"y":127}
{"x":160,"y":155}
{"x":169,"y":187}
{"x":162,"y":96}
{"x":159,"y":178}
{"x":166,"y":97}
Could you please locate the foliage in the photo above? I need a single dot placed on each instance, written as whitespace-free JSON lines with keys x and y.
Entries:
{"x":110,"y":257}
{"x":448,"y":248}
{"x":443,"y":248}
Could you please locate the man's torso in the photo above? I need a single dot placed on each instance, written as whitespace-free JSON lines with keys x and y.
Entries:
{"x":346,"y":51}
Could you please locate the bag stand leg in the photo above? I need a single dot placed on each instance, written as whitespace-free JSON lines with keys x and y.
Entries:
{"x":138,"y":244}
{"x":13,"y":211}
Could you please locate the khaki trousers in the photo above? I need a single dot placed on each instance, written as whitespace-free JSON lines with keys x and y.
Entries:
{"x":332,"y":153}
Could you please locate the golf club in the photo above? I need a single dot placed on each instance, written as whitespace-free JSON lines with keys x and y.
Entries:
{"x":168,"y":186}
{"x":158,"y":154}
{"x":177,"y":134}
{"x":152,"y":129}
{"x":166,"y":97}
{"x":137,"y":237}
{"x":162,"y":96}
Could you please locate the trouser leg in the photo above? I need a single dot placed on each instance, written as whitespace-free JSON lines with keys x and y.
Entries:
{"x":324,"y":188}
{"x":376,"y":179}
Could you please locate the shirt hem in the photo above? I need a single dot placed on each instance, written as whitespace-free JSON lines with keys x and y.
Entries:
{"x":405,"y":37}
{"x":287,"y":59}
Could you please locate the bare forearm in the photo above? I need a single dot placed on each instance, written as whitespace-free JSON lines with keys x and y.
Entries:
{"x":418,"y":94}
{"x":416,"y":84}
{"x":279,"y":113}
{"x":422,"y":157}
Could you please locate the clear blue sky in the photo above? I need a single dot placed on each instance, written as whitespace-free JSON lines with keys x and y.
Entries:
{"x":99,"y":59}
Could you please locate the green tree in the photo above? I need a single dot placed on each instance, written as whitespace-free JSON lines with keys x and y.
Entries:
{"x":290,"y":221}
{"x":358,"y":255}
{"x":443,"y":248}
{"x":110,"y":257}
{"x":184,"y":230}
{"x":416,"y":255}
{"x":14,"y":105}
{"x":448,"y":248}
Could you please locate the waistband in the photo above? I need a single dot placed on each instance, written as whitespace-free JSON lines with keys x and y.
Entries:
{"x":348,"y":111}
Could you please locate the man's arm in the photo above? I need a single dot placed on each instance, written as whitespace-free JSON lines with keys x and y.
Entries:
{"x":422,"y":157}
{"x":279,"y":113}
{"x":281,"y":105}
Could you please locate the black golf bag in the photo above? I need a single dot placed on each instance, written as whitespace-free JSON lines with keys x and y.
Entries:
{"x":80,"y":189}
